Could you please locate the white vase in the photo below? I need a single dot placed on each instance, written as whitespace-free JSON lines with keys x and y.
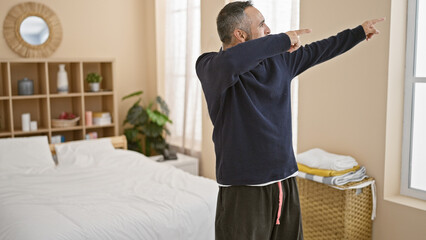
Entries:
{"x":94,"y":87}
{"x":62,"y":82}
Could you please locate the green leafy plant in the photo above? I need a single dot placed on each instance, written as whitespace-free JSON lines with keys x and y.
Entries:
{"x":148,"y":125}
{"x":93,"y":78}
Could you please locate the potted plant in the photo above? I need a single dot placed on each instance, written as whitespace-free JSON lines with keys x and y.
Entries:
{"x":94,"y":81}
{"x":148,"y":125}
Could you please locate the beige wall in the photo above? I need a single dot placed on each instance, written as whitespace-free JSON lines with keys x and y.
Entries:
{"x":123,"y":30}
{"x":343,"y":103}
{"x":209,"y":42}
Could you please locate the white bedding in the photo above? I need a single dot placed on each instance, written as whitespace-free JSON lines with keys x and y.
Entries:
{"x":118,"y":195}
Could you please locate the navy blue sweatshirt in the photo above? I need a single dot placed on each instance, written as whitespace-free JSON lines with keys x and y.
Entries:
{"x":247,"y":89}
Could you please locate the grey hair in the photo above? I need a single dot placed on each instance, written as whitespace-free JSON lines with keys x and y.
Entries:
{"x":232,"y":17}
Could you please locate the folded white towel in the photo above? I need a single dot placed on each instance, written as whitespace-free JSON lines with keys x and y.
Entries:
{"x":355,"y":176}
{"x":318,"y":158}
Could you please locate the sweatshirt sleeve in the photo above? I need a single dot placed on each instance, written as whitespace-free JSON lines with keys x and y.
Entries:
{"x":245,"y":56}
{"x":323,"y":50}
{"x":218,"y":71}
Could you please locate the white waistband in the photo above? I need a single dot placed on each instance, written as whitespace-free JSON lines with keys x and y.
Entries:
{"x":265,"y":184}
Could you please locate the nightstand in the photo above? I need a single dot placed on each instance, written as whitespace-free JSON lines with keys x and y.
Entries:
{"x":184,"y":162}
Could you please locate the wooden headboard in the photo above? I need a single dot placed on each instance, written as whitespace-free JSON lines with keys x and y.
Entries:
{"x":117,"y":142}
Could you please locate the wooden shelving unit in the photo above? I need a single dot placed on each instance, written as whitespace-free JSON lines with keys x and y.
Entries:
{"x":47,"y":103}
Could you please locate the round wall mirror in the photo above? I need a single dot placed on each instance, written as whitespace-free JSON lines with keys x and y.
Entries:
{"x":32,"y":30}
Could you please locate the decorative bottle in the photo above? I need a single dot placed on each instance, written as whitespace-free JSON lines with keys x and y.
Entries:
{"x":62,"y":82}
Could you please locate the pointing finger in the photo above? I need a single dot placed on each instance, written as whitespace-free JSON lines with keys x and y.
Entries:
{"x":374,"y":21}
{"x":303,"y":31}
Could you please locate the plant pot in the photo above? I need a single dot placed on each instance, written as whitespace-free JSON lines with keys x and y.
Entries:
{"x":94,"y":87}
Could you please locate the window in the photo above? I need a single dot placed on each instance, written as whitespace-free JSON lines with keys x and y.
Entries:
{"x":182,"y":89}
{"x":413,"y":177}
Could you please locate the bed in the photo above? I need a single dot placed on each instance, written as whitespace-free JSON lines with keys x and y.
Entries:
{"x":96,"y":191}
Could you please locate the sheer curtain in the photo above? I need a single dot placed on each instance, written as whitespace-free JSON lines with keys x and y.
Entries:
{"x":282,"y":16}
{"x":182,"y":90}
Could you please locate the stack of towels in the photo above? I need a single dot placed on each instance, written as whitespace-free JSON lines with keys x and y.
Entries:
{"x":332,"y":169}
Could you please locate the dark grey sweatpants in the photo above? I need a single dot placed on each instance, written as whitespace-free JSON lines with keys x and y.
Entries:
{"x":251,"y":212}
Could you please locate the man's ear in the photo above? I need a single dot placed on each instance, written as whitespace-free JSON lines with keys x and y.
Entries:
{"x":240,"y":35}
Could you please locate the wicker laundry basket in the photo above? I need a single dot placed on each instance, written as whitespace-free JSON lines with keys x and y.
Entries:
{"x":329,"y":213}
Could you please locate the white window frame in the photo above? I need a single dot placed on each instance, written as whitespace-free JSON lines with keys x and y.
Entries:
{"x":410,"y":80}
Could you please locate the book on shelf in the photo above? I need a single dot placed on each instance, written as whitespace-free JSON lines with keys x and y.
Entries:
{"x":101,"y":114}
{"x":102,"y":118}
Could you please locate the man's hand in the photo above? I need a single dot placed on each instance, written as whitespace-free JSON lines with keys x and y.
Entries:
{"x":370,"y":28}
{"x":295,"y":40}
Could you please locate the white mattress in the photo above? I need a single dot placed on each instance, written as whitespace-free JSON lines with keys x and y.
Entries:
{"x":124,"y":196}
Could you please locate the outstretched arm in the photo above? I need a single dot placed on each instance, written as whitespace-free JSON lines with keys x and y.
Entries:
{"x":301,"y":58}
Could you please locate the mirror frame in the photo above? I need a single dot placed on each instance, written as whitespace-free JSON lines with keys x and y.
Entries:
{"x":12,"y":24}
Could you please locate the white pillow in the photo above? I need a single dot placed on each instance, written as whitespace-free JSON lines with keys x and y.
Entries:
{"x":24,"y":153}
{"x":82,"y":153}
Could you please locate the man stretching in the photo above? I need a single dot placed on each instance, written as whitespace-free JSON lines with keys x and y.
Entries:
{"x":247,"y":89}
